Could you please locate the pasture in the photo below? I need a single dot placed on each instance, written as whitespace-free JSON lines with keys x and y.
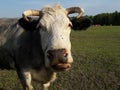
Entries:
{"x":96,"y":66}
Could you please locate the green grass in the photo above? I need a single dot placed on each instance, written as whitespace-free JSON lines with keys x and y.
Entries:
{"x":96,"y":66}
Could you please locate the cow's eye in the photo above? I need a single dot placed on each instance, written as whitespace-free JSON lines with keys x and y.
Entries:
{"x":70,"y":25}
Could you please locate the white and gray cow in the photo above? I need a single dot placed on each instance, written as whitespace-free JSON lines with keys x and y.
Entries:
{"x":41,"y":46}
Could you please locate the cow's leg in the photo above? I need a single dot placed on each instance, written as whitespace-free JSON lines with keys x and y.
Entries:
{"x":28,"y":81}
{"x":46,"y":86}
{"x":25,"y":78}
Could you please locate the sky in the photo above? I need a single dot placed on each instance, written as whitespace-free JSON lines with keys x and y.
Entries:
{"x":14,"y":8}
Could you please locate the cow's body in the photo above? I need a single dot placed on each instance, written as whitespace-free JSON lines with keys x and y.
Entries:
{"x":7,"y":32}
{"x":24,"y":49}
{"x":40,"y":48}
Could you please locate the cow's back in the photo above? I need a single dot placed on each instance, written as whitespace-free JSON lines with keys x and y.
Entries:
{"x":7,"y":31}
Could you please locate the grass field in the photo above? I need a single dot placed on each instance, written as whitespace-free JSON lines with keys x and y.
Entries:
{"x":96,"y":66}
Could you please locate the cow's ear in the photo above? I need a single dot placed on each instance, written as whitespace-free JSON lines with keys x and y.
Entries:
{"x":28,"y":25}
{"x":81,"y":24}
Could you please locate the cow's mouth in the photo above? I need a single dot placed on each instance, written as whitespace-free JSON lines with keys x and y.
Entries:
{"x":61,"y":67}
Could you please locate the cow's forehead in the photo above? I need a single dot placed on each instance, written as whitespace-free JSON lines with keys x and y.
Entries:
{"x":55,"y":16}
{"x":53,"y":9}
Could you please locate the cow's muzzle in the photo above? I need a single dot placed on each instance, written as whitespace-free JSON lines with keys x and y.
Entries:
{"x":58,"y":59}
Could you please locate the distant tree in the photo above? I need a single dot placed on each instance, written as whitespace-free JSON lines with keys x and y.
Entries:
{"x":106,"y":18}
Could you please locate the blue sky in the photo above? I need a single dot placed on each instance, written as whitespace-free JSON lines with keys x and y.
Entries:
{"x":14,"y":8}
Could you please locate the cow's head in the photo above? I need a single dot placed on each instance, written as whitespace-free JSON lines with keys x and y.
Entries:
{"x":55,"y":26}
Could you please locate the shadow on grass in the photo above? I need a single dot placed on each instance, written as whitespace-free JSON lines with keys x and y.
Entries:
{"x":2,"y":89}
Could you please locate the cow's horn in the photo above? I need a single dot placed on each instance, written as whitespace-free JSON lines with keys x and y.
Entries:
{"x":30,"y":13}
{"x":78,"y":10}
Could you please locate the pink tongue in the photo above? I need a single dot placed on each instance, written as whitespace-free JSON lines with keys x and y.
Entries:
{"x":63,"y":66}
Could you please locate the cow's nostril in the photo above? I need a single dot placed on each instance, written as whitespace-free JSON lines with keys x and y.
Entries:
{"x":50,"y":54}
{"x":65,"y":54}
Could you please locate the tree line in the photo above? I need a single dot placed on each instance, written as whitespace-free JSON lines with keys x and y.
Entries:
{"x":106,"y":19}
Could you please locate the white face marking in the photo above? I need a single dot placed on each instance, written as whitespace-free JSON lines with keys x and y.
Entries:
{"x":55,"y":32}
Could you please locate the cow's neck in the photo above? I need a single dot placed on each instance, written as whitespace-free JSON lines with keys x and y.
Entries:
{"x":43,"y":75}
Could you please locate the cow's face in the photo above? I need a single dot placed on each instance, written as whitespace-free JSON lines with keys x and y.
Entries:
{"x":55,"y":27}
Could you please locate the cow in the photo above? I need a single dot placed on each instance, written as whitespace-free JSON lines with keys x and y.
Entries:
{"x":39,"y":43}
